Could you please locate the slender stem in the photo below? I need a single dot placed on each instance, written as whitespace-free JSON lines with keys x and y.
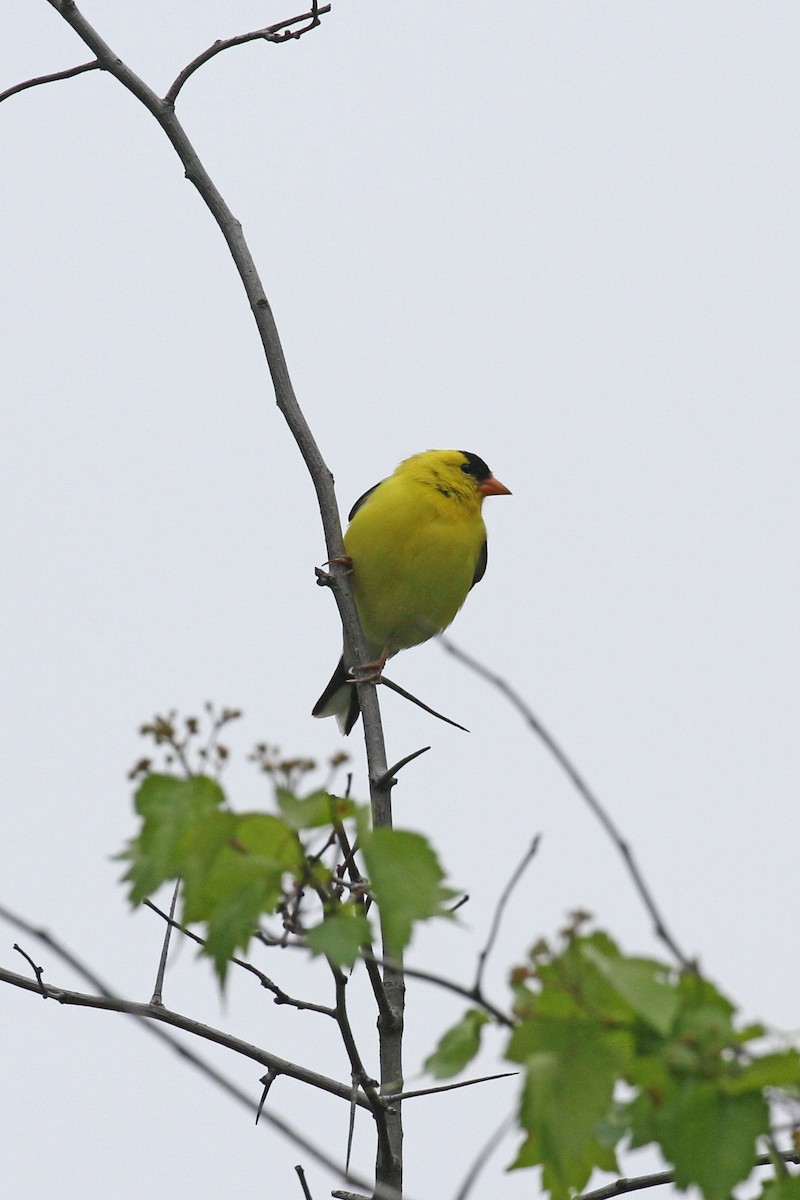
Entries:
{"x":584,"y":790}
{"x":658,"y":1178}
{"x":69,"y":73}
{"x":360,"y":1076}
{"x":469,"y":993}
{"x":500,"y":909}
{"x":270,"y":34}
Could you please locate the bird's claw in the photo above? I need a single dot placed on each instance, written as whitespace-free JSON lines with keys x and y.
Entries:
{"x":370,"y":672}
{"x":324,"y":578}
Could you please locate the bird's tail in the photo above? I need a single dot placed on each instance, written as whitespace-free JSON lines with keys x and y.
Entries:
{"x":340,"y":700}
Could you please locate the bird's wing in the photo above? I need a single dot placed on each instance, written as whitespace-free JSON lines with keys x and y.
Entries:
{"x":360,"y":501}
{"x":480,"y":565}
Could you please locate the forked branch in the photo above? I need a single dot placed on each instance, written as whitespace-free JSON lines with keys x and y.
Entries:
{"x":282,"y":31}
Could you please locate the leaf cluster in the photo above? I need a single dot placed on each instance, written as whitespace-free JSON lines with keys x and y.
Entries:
{"x":295,"y":864}
{"x":617,"y":1049}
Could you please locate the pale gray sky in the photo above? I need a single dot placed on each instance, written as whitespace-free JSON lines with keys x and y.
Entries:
{"x":563,"y":236}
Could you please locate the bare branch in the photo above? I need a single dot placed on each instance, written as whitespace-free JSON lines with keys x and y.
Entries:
{"x":94,"y":65}
{"x":148,"y":1026}
{"x":179,"y":1021}
{"x":584,"y":790}
{"x":272,"y":33}
{"x":658,"y":1178}
{"x":498,"y":913}
{"x":459,"y":989}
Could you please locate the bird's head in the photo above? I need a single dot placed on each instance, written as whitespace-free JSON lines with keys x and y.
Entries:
{"x":458,"y":473}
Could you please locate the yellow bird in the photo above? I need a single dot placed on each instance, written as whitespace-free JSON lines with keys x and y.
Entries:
{"x":417,"y":542}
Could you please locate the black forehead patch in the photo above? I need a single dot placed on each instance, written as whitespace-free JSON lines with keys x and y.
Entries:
{"x":475,"y":467}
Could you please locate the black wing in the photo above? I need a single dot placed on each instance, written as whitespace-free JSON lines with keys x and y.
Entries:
{"x":361,"y":500}
{"x":480,"y":565}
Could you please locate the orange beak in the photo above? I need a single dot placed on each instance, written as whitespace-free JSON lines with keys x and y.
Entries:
{"x":493,"y":487}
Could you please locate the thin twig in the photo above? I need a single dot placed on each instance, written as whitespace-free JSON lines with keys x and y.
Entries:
{"x":484,"y":1155}
{"x":359,"y":1074}
{"x":271,"y":33}
{"x":301,"y":1175}
{"x":281,"y":997}
{"x":367,"y":952}
{"x":38,"y":971}
{"x":658,"y":1178}
{"x":459,"y":989}
{"x":499,"y":910}
{"x":158,"y":991}
{"x":583,"y":788}
{"x":94,"y":65}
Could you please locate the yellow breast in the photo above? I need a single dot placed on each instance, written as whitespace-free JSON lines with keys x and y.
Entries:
{"x":414,"y":551}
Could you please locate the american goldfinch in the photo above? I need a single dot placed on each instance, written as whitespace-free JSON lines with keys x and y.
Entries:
{"x":417,"y":542}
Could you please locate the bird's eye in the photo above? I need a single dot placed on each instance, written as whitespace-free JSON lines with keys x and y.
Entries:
{"x":475,"y":466}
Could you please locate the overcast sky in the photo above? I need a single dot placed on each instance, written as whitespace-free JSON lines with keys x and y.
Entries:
{"x":562,"y":236}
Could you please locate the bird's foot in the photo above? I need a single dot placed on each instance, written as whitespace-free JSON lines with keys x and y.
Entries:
{"x":324,"y":578}
{"x":369,"y":672}
{"x":344,"y":560}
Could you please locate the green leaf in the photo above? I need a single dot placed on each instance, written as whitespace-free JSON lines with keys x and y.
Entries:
{"x":458,"y":1046}
{"x":406,"y":881}
{"x":310,"y":812}
{"x":571,"y":1070}
{"x":779,"y":1070}
{"x":341,"y":936}
{"x":169,"y":807}
{"x":233,"y":867}
{"x":642,"y":984}
{"x":710,"y":1138}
